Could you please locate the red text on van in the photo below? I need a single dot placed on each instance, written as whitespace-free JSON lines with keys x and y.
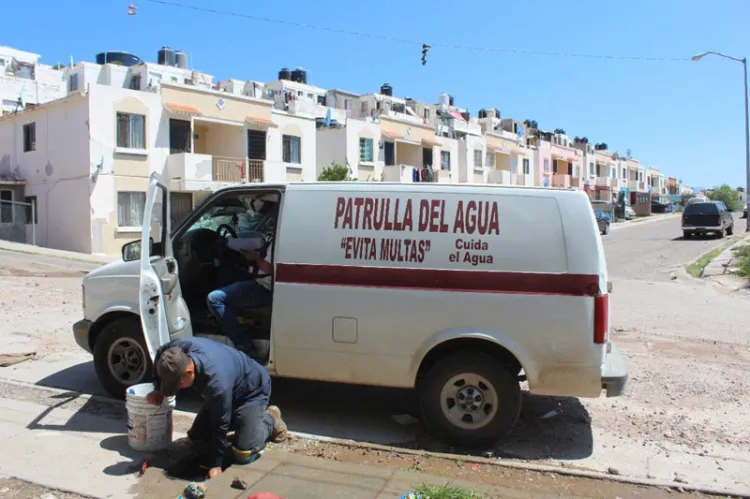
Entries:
{"x":365,"y":213}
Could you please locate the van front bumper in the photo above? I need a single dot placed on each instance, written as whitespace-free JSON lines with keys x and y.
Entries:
{"x":615,"y":371}
{"x":81,"y":334}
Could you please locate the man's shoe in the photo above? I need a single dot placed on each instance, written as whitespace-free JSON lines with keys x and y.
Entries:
{"x":280,"y":431}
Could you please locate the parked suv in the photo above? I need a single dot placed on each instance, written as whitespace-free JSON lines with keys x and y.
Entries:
{"x":707,"y":217}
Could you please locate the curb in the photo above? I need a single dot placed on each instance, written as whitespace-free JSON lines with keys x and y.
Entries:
{"x":744,"y":239}
{"x":540,"y":468}
{"x":29,"y":249}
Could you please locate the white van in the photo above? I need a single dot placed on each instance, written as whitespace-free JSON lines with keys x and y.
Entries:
{"x":459,"y":291}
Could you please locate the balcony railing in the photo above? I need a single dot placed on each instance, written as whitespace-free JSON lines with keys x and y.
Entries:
{"x":560,"y":180}
{"x":225,"y":169}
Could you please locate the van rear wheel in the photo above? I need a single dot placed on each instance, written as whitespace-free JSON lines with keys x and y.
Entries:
{"x":121,"y":358}
{"x":470,"y":399}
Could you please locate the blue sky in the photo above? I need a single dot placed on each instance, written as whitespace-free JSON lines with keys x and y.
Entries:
{"x":683,"y":117}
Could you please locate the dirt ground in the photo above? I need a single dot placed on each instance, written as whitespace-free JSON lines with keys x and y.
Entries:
{"x":12,"y":488}
{"x":486,"y":474}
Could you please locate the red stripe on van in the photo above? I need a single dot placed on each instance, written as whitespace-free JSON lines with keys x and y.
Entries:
{"x":479,"y":281}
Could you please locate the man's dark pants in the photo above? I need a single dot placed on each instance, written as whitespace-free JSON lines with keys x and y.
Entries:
{"x":252,"y":426}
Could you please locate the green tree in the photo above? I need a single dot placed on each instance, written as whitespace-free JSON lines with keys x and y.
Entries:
{"x":729,"y":196}
{"x":335,"y":173}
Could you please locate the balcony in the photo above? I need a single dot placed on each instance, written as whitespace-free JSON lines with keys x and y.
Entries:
{"x":606,"y":182}
{"x":560,"y":180}
{"x":502,"y":177}
{"x":196,"y":172}
{"x":461,"y":126}
{"x":576,"y":182}
{"x":405,"y":174}
{"x":636,"y":186}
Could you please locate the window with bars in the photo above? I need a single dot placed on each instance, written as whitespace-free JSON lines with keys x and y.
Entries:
{"x":29,"y":137}
{"x":526,"y":167}
{"x":478,"y":158}
{"x":131,"y":131}
{"x":291,"y":149}
{"x":445,"y":160}
{"x":365,"y":150}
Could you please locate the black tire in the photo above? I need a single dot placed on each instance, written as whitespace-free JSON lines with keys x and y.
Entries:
{"x":730,"y":230}
{"x":506,"y":388}
{"x":686,"y":234}
{"x":720,"y":234}
{"x":126,"y":336}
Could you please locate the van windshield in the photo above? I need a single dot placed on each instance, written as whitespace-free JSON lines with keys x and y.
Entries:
{"x":701,"y":209}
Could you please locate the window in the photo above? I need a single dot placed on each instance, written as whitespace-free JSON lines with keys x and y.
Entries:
{"x":546,"y":165}
{"x":31,"y":214}
{"x":490,"y":159}
{"x":73,"y":82}
{"x":130,"y":208}
{"x":135,"y":82}
{"x":29,"y":137}
{"x":445,"y":160}
{"x":291,"y":149}
{"x":365,"y":151}
{"x":478,"y":158}
{"x":426,"y":115}
{"x":131,"y":131}
{"x":363,"y":108}
{"x":624,"y":173}
{"x":554,"y":166}
{"x":6,"y":206}
{"x":389,"y":153}
{"x":592,"y":171}
{"x":526,"y":167}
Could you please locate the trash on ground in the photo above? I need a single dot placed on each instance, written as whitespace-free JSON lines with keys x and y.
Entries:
{"x":10,"y":359}
{"x":144,"y":467}
{"x":404,"y":419}
{"x":550,"y":414}
{"x":239,"y":484}
{"x":193,"y":491}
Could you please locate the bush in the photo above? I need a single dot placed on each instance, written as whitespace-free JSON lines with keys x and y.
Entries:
{"x":335,"y":173}
{"x":729,"y":196}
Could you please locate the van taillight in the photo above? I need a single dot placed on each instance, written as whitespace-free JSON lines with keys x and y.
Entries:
{"x":601,"y":318}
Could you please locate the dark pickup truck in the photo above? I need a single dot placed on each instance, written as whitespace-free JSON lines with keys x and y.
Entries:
{"x":702,"y":218}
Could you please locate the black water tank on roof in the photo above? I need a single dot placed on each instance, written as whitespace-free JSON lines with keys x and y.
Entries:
{"x":285,"y":74}
{"x":386,"y":89}
{"x":450,"y":100}
{"x":482,"y":113}
{"x":299,"y":75}
{"x":166,"y":57}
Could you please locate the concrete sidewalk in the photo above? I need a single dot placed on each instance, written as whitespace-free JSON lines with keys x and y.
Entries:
{"x":85,"y":453}
{"x":68,"y":255}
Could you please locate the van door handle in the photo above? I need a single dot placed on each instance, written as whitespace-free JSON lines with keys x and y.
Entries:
{"x":168,"y":283}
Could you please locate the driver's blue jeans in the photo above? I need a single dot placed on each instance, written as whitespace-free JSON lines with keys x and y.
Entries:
{"x":226,"y":303}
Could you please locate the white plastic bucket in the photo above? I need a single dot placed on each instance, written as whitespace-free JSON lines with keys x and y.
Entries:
{"x":149,"y":426}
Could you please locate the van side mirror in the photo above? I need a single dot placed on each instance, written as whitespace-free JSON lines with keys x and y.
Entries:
{"x":132,"y":251}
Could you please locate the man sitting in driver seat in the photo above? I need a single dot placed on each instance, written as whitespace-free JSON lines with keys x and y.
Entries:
{"x":226,"y":303}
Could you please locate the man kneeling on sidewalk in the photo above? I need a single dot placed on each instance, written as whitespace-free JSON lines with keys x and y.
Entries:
{"x":235,"y":390}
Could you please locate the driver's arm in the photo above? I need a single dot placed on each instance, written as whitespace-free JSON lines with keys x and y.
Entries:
{"x":262,"y":264}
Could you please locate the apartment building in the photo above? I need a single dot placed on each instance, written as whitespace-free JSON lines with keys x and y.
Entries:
{"x":24,"y":81}
{"x":86,"y":158}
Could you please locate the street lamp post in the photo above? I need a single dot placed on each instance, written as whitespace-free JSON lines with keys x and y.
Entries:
{"x":747,"y":127}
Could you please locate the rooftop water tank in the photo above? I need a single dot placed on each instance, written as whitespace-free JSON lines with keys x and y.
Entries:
{"x":299,"y":75}
{"x":444,"y":100}
{"x":166,"y":57}
{"x":120,"y":58}
{"x":386,"y":89}
{"x":285,"y":74}
{"x":181,"y":59}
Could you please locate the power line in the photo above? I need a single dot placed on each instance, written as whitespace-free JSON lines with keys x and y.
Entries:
{"x":374,"y":36}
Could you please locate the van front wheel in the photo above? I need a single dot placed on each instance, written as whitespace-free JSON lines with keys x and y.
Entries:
{"x":121,"y":358}
{"x":470,"y":399}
